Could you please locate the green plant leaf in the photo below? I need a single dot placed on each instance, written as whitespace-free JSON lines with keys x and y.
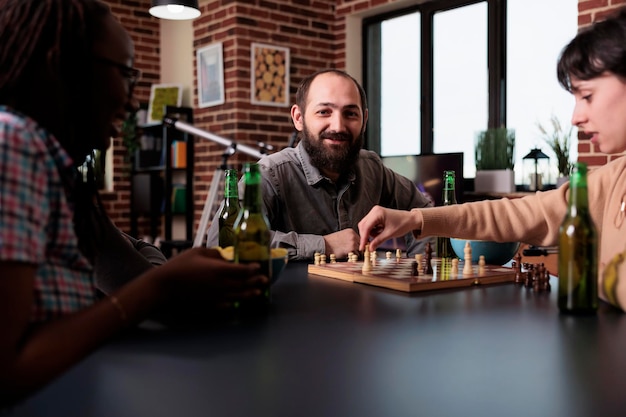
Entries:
{"x":495,"y":149}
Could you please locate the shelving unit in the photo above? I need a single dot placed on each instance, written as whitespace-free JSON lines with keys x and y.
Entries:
{"x":153,"y":180}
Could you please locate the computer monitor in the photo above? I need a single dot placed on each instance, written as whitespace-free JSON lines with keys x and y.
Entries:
{"x":426,"y":171}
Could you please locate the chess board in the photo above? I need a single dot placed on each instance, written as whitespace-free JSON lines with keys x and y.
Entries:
{"x":396,"y":274}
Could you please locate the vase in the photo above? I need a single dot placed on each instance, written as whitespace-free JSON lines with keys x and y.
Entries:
{"x":561,"y":180}
{"x":495,"y":181}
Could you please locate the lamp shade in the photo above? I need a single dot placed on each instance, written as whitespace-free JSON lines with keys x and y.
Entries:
{"x":175,"y":9}
{"x":535,"y":154}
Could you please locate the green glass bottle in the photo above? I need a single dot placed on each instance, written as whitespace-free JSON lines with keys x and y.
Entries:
{"x":444,"y":248}
{"x":229,"y":210}
{"x":252,"y":235}
{"x":578,"y":257}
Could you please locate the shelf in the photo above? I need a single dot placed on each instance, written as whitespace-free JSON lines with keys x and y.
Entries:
{"x":152,"y":186}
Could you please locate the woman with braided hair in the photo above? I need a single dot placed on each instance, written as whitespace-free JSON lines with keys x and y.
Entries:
{"x":66,"y":84}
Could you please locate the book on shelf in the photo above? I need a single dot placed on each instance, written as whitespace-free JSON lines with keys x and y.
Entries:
{"x":179,"y":204}
{"x":179,"y":154}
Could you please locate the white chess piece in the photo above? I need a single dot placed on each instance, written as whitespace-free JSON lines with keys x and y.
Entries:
{"x":467,"y":268}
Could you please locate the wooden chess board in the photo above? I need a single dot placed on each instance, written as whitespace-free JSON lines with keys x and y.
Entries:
{"x":396,"y":275}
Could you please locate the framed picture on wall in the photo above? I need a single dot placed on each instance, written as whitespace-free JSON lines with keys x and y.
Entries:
{"x":269,"y":75}
{"x":210,"y":63}
{"x":162,"y":95}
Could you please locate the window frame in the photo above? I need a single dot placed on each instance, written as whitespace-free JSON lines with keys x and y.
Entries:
{"x":496,"y":66}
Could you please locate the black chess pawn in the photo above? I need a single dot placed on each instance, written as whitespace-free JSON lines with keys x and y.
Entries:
{"x":537,"y":277}
{"x":414,"y":270}
{"x":528,"y":279}
{"x":518,"y":273}
{"x":545,"y":284}
{"x":428,"y":256}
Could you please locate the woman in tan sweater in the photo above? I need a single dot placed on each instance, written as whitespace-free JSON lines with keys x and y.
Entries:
{"x":593,"y":68}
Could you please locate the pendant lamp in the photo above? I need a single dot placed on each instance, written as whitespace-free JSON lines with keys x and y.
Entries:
{"x":175,"y":9}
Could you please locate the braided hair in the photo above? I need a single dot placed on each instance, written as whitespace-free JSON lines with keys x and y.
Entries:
{"x":54,"y":39}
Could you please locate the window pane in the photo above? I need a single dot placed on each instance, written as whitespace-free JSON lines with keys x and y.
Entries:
{"x":400,"y":86}
{"x":533,"y":92}
{"x":460,"y":80}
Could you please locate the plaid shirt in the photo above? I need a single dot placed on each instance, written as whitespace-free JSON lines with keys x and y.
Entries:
{"x":36,"y":225}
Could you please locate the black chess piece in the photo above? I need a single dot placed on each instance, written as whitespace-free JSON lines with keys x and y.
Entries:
{"x":428,"y":256}
{"x":518,"y":273}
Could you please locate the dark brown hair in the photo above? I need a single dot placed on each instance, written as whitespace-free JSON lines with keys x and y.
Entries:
{"x":305,"y":84}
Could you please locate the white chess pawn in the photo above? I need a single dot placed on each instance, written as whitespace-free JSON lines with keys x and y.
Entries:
{"x":454,"y":271}
{"x":419,"y":257}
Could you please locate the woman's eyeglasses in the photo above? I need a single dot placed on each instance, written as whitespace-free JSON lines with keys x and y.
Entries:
{"x":130,"y":73}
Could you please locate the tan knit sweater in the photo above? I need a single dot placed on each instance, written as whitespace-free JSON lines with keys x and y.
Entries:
{"x":536,"y":219}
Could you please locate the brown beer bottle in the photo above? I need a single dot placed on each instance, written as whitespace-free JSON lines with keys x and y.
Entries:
{"x":229,"y":210}
{"x":578,"y":257}
{"x":252,"y":235}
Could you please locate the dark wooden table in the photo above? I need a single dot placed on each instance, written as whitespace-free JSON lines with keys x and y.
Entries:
{"x":332,"y":348}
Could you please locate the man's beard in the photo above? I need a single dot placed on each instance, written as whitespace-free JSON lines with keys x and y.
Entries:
{"x":334,"y":159}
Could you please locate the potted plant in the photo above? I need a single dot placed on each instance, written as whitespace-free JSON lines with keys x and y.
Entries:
{"x":559,"y":141}
{"x":494,"y":155}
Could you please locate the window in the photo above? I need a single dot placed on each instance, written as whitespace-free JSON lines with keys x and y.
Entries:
{"x":460,"y":90}
{"x":400,"y":82}
{"x":439,"y":72}
{"x":533,"y":92}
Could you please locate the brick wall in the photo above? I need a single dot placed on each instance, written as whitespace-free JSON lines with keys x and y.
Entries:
{"x":588,"y":12}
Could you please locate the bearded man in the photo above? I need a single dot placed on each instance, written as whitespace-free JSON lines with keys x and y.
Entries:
{"x":316,"y":193}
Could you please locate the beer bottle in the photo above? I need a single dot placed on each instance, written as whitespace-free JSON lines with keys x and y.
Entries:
{"x":252,"y":235}
{"x":229,"y":209}
{"x":444,"y":248}
{"x":578,"y":264}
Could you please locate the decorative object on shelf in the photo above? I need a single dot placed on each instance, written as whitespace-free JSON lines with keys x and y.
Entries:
{"x":210,"y":63}
{"x":494,"y":154}
{"x":269,"y":75}
{"x":559,"y":141}
{"x":536,"y":172}
{"x":162,"y":182}
{"x":175,"y":9}
{"x":162,"y":95}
